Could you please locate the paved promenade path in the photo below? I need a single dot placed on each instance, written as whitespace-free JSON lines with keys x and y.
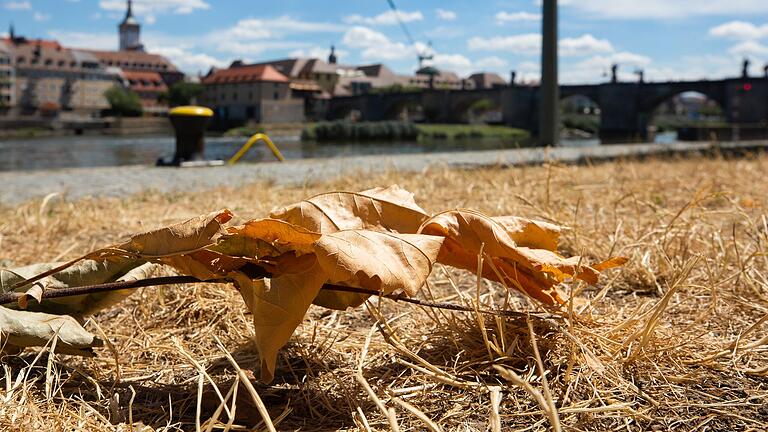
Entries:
{"x":19,"y":186}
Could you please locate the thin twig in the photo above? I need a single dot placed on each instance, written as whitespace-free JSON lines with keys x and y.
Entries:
{"x":11,"y":297}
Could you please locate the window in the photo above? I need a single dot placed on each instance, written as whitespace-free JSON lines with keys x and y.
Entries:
{"x":234,"y":96}
{"x":277,"y":95}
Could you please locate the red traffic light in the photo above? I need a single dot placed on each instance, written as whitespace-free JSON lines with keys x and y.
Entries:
{"x":747,"y":87}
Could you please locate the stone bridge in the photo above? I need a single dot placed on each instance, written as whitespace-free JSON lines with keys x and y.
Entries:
{"x":626,"y":107}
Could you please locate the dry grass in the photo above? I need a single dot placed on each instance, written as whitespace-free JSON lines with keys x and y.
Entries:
{"x":676,"y":340}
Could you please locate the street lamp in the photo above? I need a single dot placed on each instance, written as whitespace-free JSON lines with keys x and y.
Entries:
{"x":548,"y":89}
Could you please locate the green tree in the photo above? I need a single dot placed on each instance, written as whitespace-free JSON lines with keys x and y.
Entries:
{"x":123,"y":102}
{"x":182,"y":93}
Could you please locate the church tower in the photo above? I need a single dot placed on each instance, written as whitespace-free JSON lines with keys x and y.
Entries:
{"x":129,"y":31}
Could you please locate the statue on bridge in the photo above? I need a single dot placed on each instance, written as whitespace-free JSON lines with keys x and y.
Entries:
{"x":640,"y":75}
{"x":614,"y":72}
{"x":765,"y":71}
{"x":513,"y":76}
{"x":745,"y":68}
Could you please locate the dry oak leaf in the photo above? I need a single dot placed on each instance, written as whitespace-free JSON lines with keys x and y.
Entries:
{"x":108,"y":264}
{"x":268,"y":243}
{"x":534,"y":271}
{"x":374,"y":260}
{"x":85,"y":272}
{"x":181,"y":238}
{"x":266,"y":238}
{"x":20,"y":329}
{"x":388,"y":209}
{"x":278,"y":306}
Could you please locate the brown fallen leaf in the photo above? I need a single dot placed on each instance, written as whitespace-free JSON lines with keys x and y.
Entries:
{"x":266,"y":238}
{"x":385,"y":209}
{"x":278,"y":306}
{"x":20,"y":329}
{"x":378,"y":261}
{"x":86,"y":272}
{"x":181,"y":238}
{"x":534,"y":271}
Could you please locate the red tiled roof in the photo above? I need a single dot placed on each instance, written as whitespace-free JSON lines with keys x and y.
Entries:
{"x":145,"y":81}
{"x":43,"y":43}
{"x":134,"y":60}
{"x":245,"y":74}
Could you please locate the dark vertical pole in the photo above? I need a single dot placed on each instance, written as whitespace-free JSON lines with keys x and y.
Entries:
{"x":548,"y":90}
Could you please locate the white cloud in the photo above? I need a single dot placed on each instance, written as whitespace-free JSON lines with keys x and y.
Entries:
{"x":445,"y":15}
{"x":597,"y":68}
{"x":530,"y":44}
{"x":505,"y":17}
{"x":17,"y":5}
{"x":385,"y":18}
{"x":156,"y":7}
{"x":317,"y":51}
{"x":40,"y":17}
{"x":97,"y":41}
{"x":375,"y":45}
{"x":491,"y":63}
{"x":667,"y":9}
{"x":583,"y":45}
{"x":739,"y":30}
{"x":525,"y":44}
{"x":189,"y":61}
{"x":749,"y":48}
{"x":251,"y":36}
{"x":253,"y":28}
{"x":453,"y":62}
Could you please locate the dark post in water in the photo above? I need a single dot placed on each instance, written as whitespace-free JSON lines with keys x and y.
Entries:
{"x":548,"y":89}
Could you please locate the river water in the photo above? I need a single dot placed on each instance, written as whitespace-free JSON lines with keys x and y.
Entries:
{"x":93,"y":151}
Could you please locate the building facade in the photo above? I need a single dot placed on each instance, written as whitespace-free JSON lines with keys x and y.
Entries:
{"x":42,"y":77}
{"x":251,"y":93}
{"x":48,"y":78}
{"x":7,"y":77}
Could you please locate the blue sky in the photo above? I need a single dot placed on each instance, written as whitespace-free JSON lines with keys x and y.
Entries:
{"x":668,"y":39}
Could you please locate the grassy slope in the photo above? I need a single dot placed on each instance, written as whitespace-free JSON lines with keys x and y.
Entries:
{"x":486,"y":131}
{"x":628,"y":360}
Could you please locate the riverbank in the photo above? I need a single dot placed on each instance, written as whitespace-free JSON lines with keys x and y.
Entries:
{"x":675,"y":337}
{"x":344,"y":130}
{"x":19,"y":186}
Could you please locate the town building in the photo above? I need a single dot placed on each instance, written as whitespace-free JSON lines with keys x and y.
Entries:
{"x":486,"y":80}
{"x":251,"y":93}
{"x":146,"y":74}
{"x":7,"y":77}
{"x":42,"y":77}
{"x":49,"y":78}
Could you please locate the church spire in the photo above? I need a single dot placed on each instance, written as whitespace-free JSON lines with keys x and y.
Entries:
{"x":130,"y":31}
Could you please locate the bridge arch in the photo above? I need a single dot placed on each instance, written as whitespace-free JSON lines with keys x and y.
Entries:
{"x":580,"y":116}
{"x":341,"y":109}
{"x":477,"y":107}
{"x":403,"y":106}
{"x":687,"y":113}
{"x":713,"y":90}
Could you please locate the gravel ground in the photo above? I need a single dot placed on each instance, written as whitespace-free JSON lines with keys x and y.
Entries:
{"x":19,"y":186}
